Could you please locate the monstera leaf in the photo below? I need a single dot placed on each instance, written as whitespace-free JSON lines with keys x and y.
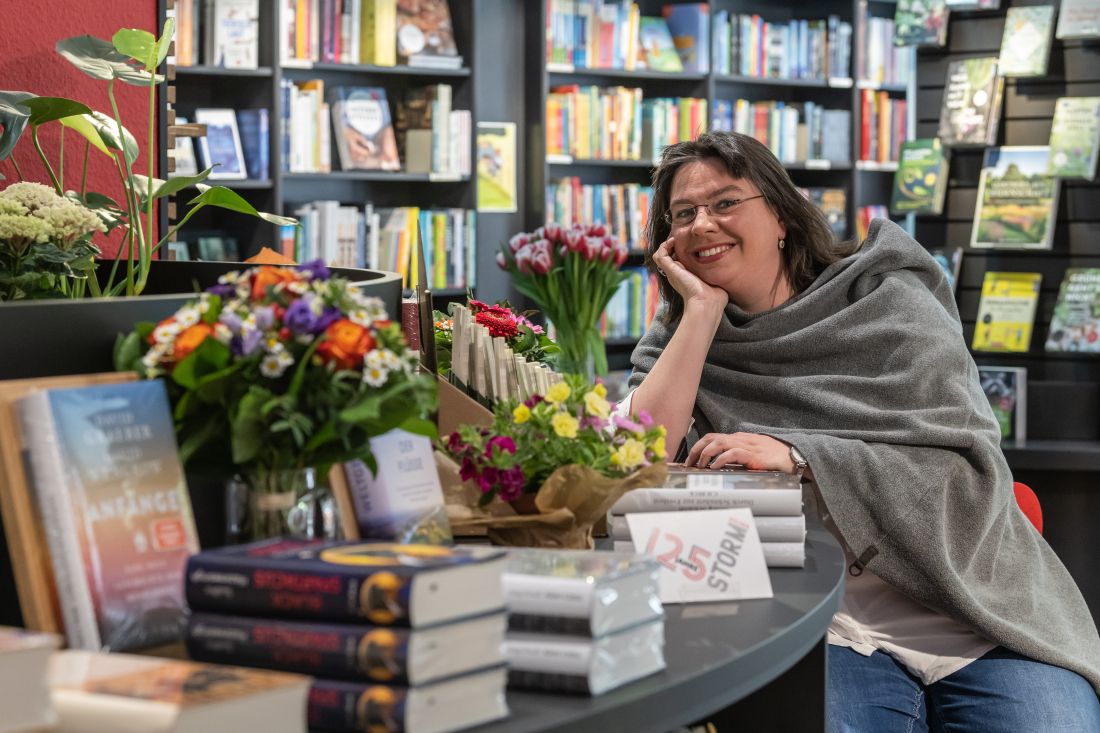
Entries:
{"x":83,"y":124}
{"x":99,"y":59}
{"x":223,"y":197}
{"x":14,"y":118}
{"x":49,"y":109}
{"x":143,"y":45}
{"x":108,"y":132}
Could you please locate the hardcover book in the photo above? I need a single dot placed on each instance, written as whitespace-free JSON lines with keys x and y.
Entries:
{"x":1079,"y":19}
{"x":973,"y":4}
{"x":920,"y":23}
{"x":656,"y":41}
{"x":1025,"y":46}
{"x":920,"y":183}
{"x":364,"y":133}
{"x":118,"y":519}
{"x":25,"y":692}
{"x":689,"y":23}
{"x":771,"y":501}
{"x":349,"y":651}
{"x":1006,"y":312}
{"x":1075,"y":137}
{"x":221,"y":147}
{"x":971,"y":102}
{"x":950,"y":259}
{"x":124,"y":692}
{"x":1017,"y":200}
{"x":252,"y":124}
{"x":770,"y":529}
{"x":340,"y":580}
{"x":460,"y":702}
{"x":424,"y":29}
{"x":1074,"y":325}
{"x":234,"y":39}
{"x":1006,"y":390}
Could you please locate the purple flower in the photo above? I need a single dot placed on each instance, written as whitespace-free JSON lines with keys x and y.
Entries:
{"x":503,"y":443}
{"x":329,"y":315}
{"x":223,"y":291}
{"x":511,"y":483}
{"x":626,"y":424}
{"x":488,"y":479}
{"x":231,"y":320}
{"x":454,"y":444}
{"x":533,"y":400}
{"x":468,"y":470}
{"x":595,"y":423}
{"x":316,"y":269}
{"x":645,"y":418}
{"x":265,"y":318}
{"x":246,"y":343}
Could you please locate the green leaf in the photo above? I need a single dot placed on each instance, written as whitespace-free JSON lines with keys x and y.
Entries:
{"x":419,"y":426}
{"x":83,"y":124}
{"x":127,"y":349}
{"x":322,"y":436}
{"x":172,"y":185}
{"x":99,"y":59}
{"x":368,"y":409}
{"x":210,"y":430}
{"x":108,"y":132}
{"x":141,"y":188}
{"x":209,"y":357}
{"x":226,"y":199}
{"x":50,"y":109}
{"x":247,"y":428}
{"x":210,"y":317}
{"x":14,"y":118}
{"x":138,"y":44}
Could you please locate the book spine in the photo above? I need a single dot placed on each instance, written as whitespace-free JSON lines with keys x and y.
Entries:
{"x":575,"y":684}
{"x":541,"y":595}
{"x":765,"y":502}
{"x":769,"y":529}
{"x":335,"y":706}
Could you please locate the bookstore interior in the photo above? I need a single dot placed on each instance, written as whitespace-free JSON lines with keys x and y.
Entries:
{"x":339,"y":397}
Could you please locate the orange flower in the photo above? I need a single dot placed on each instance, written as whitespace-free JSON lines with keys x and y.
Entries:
{"x":270,"y":276}
{"x":190,"y":339}
{"x":345,"y":344}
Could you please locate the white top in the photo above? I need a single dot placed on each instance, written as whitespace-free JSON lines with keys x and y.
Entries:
{"x":875,"y":615}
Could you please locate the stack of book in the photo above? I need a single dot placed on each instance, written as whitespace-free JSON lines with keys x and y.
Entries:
{"x":667,"y":121}
{"x":796,"y":132}
{"x":217,"y":33}
{"x":624,"y":208}
{"x":25,"y":694}
{"x":397,"y":637}
{"x":632,"y":307}
{"x":775,"y":500}
{"x":582,"y":622}
{"x":591,"y":122}
{"x":796,"y":49}
{"x":882,"y":127}
{"x":882,"y":62}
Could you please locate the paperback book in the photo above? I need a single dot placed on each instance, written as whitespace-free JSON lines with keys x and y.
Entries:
{"x":1075,"y":325}
{"x":769,"y":502}
{"x":1017,"y":200}
{"x":221,"y":147}
{"x":657,"y":46}
{"x":1006,"y":390}
{"x":1075,"y":137}
{"x":25,"y":693}
{"x":364,"y":132}
{"x":232,"y":33}
{"x":423,"y":30}
{"x":1079,"y":19}
{"x":920,"y":183}
{"x":971,"y":102}
{"x":920,"y":23}
{"x":253,"y":126}
{"x":770,"y":529}
{"x":1006,"y":312}
{"x":689,"y":23}
{"x":1025,"y":46}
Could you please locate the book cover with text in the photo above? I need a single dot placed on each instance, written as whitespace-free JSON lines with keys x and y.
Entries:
{"x":1075,"y":137}
{"x":1025,"y":46}
{"x":1017,"y":200}
{"x":1075,"y":325}
{"x":920,"y":23}
{"x":1006,"y":312}
{"x":971,"y":102}
{"x":921,"y":179}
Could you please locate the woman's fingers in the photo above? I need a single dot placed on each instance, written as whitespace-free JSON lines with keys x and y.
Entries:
{"x":696,"y":449}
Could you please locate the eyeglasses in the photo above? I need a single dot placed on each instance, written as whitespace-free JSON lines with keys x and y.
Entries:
{"x":683,"y":215}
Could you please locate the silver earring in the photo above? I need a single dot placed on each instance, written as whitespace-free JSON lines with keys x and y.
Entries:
{"x":782,"y":243}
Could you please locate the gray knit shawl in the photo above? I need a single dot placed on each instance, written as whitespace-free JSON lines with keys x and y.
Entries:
{"x":868,"y":375}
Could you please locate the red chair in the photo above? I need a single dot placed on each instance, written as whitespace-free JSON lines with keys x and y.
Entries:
{"x":1029,"y":504}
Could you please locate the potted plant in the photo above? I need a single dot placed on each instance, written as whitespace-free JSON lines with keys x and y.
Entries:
{"x":523,"y":337}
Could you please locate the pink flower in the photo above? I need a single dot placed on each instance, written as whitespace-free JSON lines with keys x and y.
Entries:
{"x":536,"y":235}
{"x":502,"y":261}
{"x":645,"y":418}
{"x":542,"y":258}
{"x":503,"y":443}
{"x":511,"y":483}
{"x":468,"y":470}
{"x":523,"y":259}
{"x":488,"y":479}
{"x":477,"y":305}
{"x":620,"y":255}
{"x":563,"y":251}
{"x":574,"y":240}
{"x":454,"y":443}
{"x":609,"y":241}
{"x":516,"y":243}
{"x":596,"y":230}
{"x":605,"y":254}
{"x":592,"y":247}
{"x":533,"y":400}
{"x":626,"y":424}
{"x":524,"y":322}
{"x":553,"y":232}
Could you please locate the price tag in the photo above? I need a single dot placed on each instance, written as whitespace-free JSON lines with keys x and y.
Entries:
{"x":711,"y":555}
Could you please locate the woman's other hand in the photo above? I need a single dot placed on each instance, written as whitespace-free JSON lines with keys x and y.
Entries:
{"x":695,"y":292}
{"x":756,"y":452}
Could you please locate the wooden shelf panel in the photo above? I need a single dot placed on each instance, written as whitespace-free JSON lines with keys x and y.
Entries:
{"x":372,"y":69}
{"x":371,"y":176}
{"x":562,"y":70}
{"x":1054,"y":455}
{"x":219,"y":71}
{"x":834,"y":83}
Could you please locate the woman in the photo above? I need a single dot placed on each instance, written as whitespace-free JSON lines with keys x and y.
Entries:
{"x":777,"y":349}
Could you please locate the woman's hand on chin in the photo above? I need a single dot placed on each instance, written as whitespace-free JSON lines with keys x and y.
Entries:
{"x":756,"y":452}
{"x":696,"y":293}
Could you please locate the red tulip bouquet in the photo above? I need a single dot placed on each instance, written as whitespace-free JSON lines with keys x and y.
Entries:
{"x":571,"y":274}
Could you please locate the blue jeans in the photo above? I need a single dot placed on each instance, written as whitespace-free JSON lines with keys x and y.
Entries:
{"x":1002,"y":692}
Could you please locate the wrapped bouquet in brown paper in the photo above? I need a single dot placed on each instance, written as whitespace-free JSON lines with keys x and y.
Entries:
{"x":548,"y":469}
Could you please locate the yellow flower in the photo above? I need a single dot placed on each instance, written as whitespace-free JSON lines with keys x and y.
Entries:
{"x":558,"y":393}
{"x":658,"y":447}
{"x":600,"y":390}
{"x":615,"y":459}
{"x":596,"y":405}
{"x":564,"y":424}
{"x":521,"y":414}
{"x":662,"y":431}
{"x":632,"y":453}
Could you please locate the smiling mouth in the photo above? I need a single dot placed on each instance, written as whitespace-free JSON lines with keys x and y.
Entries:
{"x":712,"y":251}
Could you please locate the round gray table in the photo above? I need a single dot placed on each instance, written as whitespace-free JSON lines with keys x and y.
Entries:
{"x":717,"y":654}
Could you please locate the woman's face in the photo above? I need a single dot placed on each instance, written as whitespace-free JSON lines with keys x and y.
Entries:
{"x":736,"y":249}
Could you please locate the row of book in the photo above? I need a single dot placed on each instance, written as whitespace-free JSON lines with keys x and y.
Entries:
{"x":865,"y":215}
{"x":222,"y":33}
{"x":669,"y":120}
{"x":924,"y":22}
{"x":796,"y":132}
{"x":748,"y":45}
{"x":632,"y":307}
{"x":883,"y":126}
{"x":624,"y":208}
{"x":377,"y":32}
{"x":236,"y":144}
{"x":428,"y":137}
{"x":881,"y":61}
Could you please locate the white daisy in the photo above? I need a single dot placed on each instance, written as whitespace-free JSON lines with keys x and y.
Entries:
{"x":375,"y":376}
{"x":360,"y":317}
{"x":305,"y":338}
{"x":230,"y":278}
{"x":244,"y":292}
{"x":166,"y":332}
{"x":152,"y":357}
{"x":274,"y":346}
{"x":374,"y":359}
{"x":204,"y":303}
{"x":285,"y":358}
{"x":249,"y":324}
{"x":298,"y":287}
{"x":152,"y":373}
{"x":272,"y":367}
{"x":390,"y":359}
{"x":187,"y":317}
{"x":222,"y":333}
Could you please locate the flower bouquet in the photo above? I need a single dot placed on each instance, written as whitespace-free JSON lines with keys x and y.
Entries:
{"x":277,"y":371}
{"x":571,"y":274}
{"x":523,"y":337}
{"x":560,"y":460}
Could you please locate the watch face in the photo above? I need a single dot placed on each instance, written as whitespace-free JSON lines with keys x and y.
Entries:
{"x":797,"y":457}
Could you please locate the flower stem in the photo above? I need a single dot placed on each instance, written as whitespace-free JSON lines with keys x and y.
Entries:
{"x":149,"y":196}
{"x":49,"y":169}
{"x":133,"y":204}
{"x":61,"y":162}
{"x":17,"y":171}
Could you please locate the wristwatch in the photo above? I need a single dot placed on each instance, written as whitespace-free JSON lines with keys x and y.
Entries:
{"x":800,"y":464}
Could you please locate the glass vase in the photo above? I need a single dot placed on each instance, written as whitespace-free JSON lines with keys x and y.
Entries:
{"x":576,"y":355}
{"x":289,"y":503}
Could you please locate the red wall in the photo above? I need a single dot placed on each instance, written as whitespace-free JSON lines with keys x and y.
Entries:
{"x":28,"y":63}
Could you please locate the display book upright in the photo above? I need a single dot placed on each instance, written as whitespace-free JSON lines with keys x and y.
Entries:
{"x":397,"y":637}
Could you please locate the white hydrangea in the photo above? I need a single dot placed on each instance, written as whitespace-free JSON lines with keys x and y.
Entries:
{"x":33,"y":196}
{"x":69,"y":222}
{"x":23,"y":231}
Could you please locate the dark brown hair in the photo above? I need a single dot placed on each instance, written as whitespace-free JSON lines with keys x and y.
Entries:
{"x":810,"y":246}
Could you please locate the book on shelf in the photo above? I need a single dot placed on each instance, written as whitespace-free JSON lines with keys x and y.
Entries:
{"x":769,"y":529}
{"x":1025,"y":46}
{"x":580,"y":665}
{"x":232,"y":33}
{"x":425,"y":35}
{"x":1075,"y":137}
{"x":722,"y":43}
{"x":689,"y":24}
{"x":669,"y":120}
{"x":797,"y":49}
{"x":772,"y":502}
{"x":592,"y":122}
{"x":833,"y":203}
{"x":633,"y":306}
{"x":1017,"y":200}
{"x":920,"y":23}
{"x":883,"y":126}
{"x":378,"y":33}
{"x":950,"y":260}
{"x":337,"y":31}
{"x":796,"y":132}
{"x":1006,"y":390}
{"x":973,"y":4}
{"x":111,"y":494}
{"x":305,"y":127}
{"x":1078,"y":19}
{"x":594,"y":35}
{"x":94,"y":691}
{"x":881,"y":61}
{"x":210,"y":247}
{"x":1006,"y":312}
{"x":253,"y":127}
{"x":184,"y":154}
{"x":221,"y":146}
{"x":347,"y":581}
{"x":384,"y":654}
{"x":178,"y":251}
{"x":448,"y":705}
{"x":25,"y":694}
{"x":971,"y":102}
{"x":776,"y":554}
{"x":362,"y":128}
{"x":865,"y":215}
{"x":1075,"y":325}
{"x":187,"y":32}
{"x":657,"y":45}
{"x":622,"y":209}
{"x":920,"y":183}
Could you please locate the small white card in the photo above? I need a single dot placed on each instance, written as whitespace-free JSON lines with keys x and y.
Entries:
{"x":710,"y":555}
{"x":405,"y":488}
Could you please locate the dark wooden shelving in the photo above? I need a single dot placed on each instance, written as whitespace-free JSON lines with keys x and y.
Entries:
{"x":372,"y":176}
{"x":373,"y":69}
{"x":219,"y":71}
{"x":639,"y":75}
